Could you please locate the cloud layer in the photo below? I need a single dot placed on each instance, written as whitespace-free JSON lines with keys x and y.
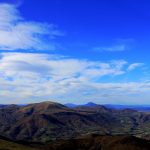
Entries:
{"x":31,"y":77}
{"x":16,"y":33}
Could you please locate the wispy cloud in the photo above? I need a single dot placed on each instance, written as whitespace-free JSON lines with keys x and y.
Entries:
{"x":118,"y":45}
{"x":16,"y":33}
{"x":57,"y":67}
{"x":114,"y":48}
{"x":134,"y":66}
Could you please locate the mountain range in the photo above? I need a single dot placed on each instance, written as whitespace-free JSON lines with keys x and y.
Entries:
{"x":46,"y":121}
{"x":144,"y":108}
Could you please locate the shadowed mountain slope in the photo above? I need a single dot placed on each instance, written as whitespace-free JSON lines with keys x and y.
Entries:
{"x":89,"y":142}
{"x":49,"y":121}
{"x":95,"y":142}
{"x":6,"y":144}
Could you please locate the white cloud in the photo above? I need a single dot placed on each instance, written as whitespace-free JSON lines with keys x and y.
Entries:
{"x":37,"y":77}
{"x":134,"y":66}
{"x":16,"y":33}
{"x":57,"y":67}
{"x":118,"y":45}
{"x":28,"y":77}
{"x":115,"y":48}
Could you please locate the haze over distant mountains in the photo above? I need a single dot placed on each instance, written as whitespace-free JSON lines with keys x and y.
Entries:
{"x":144,"y":108}
{"x":113,"y":106}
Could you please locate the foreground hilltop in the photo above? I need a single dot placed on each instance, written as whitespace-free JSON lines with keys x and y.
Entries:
{"x":89,"y":142}
{"x":95,"y":142}
{"x":41,"y":122}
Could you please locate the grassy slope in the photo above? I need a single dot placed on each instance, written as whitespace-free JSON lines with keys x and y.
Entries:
{"x":8,"y":145}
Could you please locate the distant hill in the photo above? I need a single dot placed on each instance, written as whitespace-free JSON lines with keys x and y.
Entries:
{"x":71,"y":105}
{"x":144,"y":108}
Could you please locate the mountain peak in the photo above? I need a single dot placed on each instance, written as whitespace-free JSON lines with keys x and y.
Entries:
{"x":44,"y":107}
{"x":91,"y":104}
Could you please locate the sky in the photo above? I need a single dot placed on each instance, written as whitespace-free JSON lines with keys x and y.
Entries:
{"x":75,"y":51}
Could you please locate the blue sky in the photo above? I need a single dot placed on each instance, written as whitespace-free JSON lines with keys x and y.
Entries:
{"x":75,"y":51}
